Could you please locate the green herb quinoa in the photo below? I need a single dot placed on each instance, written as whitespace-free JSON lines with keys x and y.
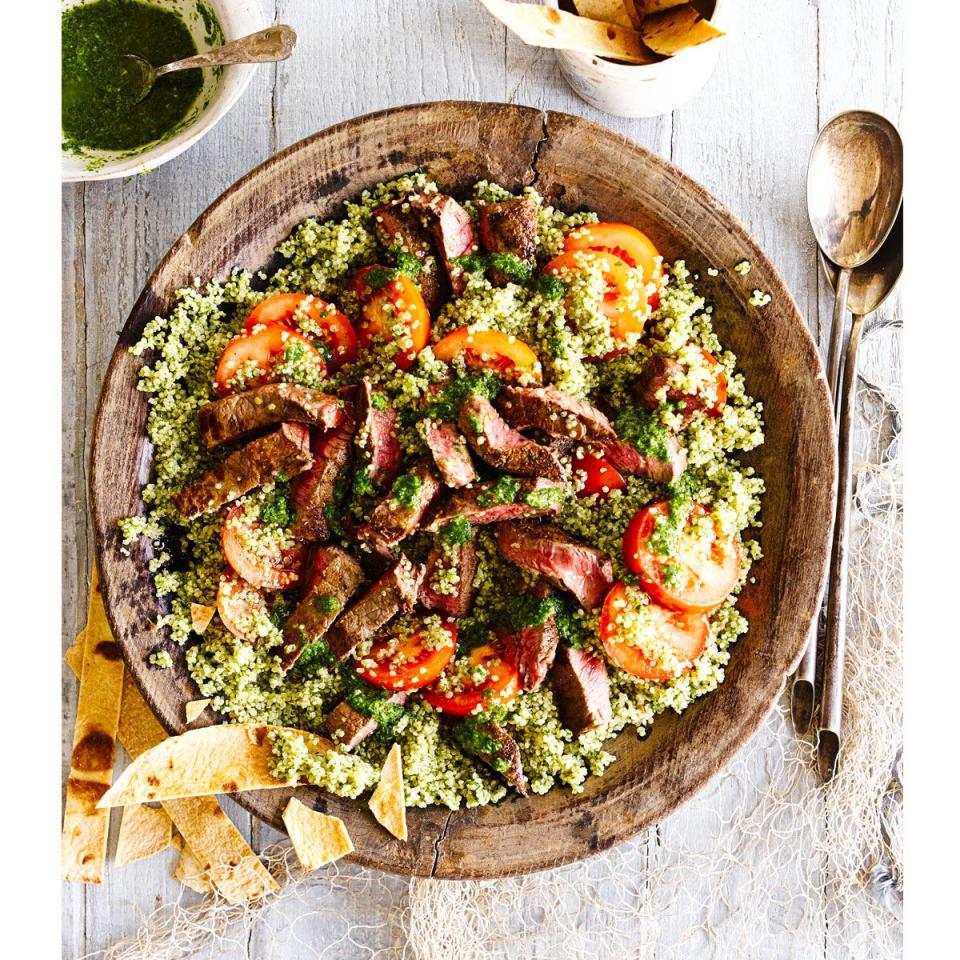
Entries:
{"x":560,"y":317}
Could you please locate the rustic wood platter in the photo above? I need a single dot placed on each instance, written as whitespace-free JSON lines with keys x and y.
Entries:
{"x":575,"y":164}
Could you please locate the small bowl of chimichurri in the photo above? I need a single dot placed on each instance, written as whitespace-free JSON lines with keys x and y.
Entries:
{"x":106,"y":133}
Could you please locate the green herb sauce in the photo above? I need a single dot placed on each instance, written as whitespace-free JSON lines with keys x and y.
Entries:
{"x":545,"y":499}
{"x":327,"y":603}
{"x":681,"y":495}
{"x":277,"y":509}
{"x":642,"y":428}
{"x":457,"y":531}
{"x":99,"y":107}
{"x":406,"y":488}
{"x":505,"y":490}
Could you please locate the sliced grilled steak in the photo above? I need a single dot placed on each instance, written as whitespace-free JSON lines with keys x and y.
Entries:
{"x":656,"y":374}
{"x":509,"y":227}
{"x":242,"y":414}
{"x":398,"y":225}
{"x":462,"y":560}
{"x":546,"y":549}
{"x":495,"y":441}
{"x":285,"y":451}
{"x":396,"y":591}
{"x":535,"y":645}
{"x":628,"y":459}
{"x":452,"y":230}
{"x":504,"y":757}
{"x":554,"y":412}
{"x":376,"y":436}
{"x":448,"y":447}
{"x":479,"y":505}
{"x":314,"y":492}
{"x":348,"y":728}
{"x":393,"y":519}
{"x":334,"y":577}
{"x":581,"y":688}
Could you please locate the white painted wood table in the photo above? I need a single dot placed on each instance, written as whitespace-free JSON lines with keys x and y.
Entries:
{"x":786,"y":68}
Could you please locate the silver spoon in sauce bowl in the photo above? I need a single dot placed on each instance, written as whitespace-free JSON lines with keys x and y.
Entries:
{"x":265,"y":46}
{"x":854,"y":196}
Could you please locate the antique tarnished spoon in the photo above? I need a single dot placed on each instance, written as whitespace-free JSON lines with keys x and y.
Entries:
{"x":265,"y":46}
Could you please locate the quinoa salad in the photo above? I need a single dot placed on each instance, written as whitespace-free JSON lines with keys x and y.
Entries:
{"x":460,"y":475}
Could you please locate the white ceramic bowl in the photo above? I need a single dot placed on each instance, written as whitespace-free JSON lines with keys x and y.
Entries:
{"x":640,"y":89}
{"x":218,"y":95}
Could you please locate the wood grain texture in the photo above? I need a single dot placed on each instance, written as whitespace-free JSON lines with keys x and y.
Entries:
{"x":785,"y":67}
{"x":460,"y":142}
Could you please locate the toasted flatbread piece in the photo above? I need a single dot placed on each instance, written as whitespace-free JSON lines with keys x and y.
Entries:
{"x":387,"y":800}
{"x":607,"y":11}
{"x":672,"y":31}
{"x":213,"y":841}
{"x":144,"y":831}
{"x":638,"y":9}
{"x":317,"y":838}
{"x":190,"y":872}
{"x":193,"y":708}
{"x":547,"y":27}
{"x":83,"y":848}
{"x":226,"y":758}
{"x":200,"y":616}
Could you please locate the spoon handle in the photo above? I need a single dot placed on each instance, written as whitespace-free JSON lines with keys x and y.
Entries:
{"x":828,"y":739}
{"x":265,"y":46}
{"x":803,"y":691}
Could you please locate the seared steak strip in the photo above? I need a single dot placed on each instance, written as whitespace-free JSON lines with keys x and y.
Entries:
{"x":503,"y":755}
{"x":400,"y":226}
{"x":314,"y":492}
{"x":495,"y":441}
{"x":509,"y":227}
{"x":581,"y":688}
{"x":656,"y":374}
{"x":448,"y":447}
{"x":334,"y":577}
{"x":348,"y":727}
{"x":376,"y":437}
{"x":461,"y":559}
{"x":554,"y":412}
{"x":242,"y":414}
{"x":393,"y":518}
{"x":627,"y":458}
{"x":452,"y":230}
{"x":285,"y":451}
{"x":481,"y":504}
{"x":395,"y":592}
{"x":536,"y":645}
{"x":546,"y":549}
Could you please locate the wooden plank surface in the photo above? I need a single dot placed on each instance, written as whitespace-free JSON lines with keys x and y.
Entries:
{"x":788,"y":66}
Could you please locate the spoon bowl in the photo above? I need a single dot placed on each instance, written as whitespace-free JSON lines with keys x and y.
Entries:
{"x":874,"y":281}
{"x":854,"y":186}
{"x":138,"y":75}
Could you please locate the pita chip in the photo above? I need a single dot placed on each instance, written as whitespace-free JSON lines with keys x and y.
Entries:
{"x":387,"y":800}
{"x":193,"y":708}
{"x":317,"y":838}
{"x":144,"y":831}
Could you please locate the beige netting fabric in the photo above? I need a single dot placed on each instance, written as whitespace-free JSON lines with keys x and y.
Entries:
{"x":766,"y":863}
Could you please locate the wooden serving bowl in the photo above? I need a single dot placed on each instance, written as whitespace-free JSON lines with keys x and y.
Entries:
{"x":575,"y":164}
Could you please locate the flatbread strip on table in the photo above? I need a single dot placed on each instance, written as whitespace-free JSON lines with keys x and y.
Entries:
{"x":223,"y":758}
{"x":144,"y":831}
{"x":83,"y":848}
{"x":217,"y":848}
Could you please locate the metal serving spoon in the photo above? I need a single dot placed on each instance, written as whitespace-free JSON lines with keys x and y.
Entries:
{"x":265,"y":46}
{"x":854,"y":194}
{"x":870,"y":285}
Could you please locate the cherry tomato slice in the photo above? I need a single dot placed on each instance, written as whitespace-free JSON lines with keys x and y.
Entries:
{"x":502,"y":683}
{"x":382,"y":308}
{"x":600,"y":476}
{"x":624,"y":304}
{"x":407,"y":664}
{"x":627,"y":636}
{"x":493,"y":350}
{"x":238,"y":604}
{"x":702,"y":571}
{"x":262,"y":350}
{"x":311,"y":316}
{"x":623,"y":241}
{"x":259,"y":560}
